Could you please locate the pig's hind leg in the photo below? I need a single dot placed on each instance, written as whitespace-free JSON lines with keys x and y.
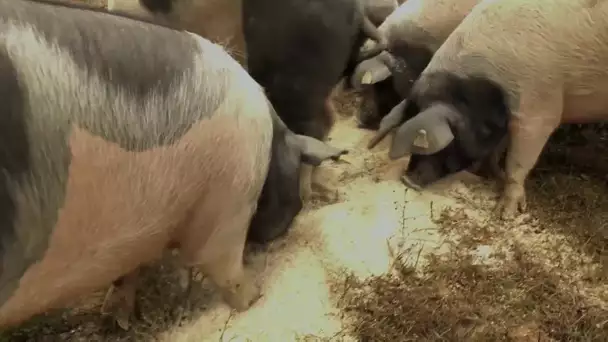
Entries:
{"x":220,"y":257}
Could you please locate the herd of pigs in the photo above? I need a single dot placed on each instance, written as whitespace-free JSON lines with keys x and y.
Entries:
{"x":195,"y":124}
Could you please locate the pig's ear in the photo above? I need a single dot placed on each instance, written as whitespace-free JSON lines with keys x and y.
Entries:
{"x":374,"y":70}
{"x":392,"y":120}
{"x":433,"y":125}
{"x":314,"y":151}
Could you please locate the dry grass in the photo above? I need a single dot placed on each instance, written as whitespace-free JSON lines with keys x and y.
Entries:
{"x":568,"y":189}
{"x":456,"y":298}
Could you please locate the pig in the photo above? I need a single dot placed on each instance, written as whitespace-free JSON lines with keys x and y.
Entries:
{"x":122,"y":138}
{"x":378,"y":10}
{"x":511,"y":70}
{"x":413,"y":33}
{"x":297,"y":50}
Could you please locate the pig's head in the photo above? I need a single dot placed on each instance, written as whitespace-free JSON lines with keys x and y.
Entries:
{"x":280,"y":200}
{"x":461,"y":121}
{"x":387,"y":78}
{"x":378,"y":97}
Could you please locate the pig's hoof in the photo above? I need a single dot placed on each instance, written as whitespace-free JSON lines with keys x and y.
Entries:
{"x":122,"y":319}
{"x":119,"y":304}
{"x":509,"y":206}
{"x":244,"y":295}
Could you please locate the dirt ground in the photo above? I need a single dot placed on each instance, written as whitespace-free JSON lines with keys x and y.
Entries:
{"x":377,"y":262}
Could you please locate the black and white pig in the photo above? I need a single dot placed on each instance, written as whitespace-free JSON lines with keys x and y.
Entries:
{"x":298,"y":50}
{"x":413,"y":33}
{"x":512,"y":68}
{"x":121,"y":138}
